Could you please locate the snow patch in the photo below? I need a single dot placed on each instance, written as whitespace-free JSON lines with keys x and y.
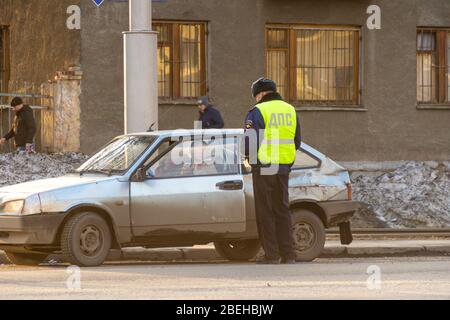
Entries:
{"x":417,"y":194}
{"x":17,"y":168}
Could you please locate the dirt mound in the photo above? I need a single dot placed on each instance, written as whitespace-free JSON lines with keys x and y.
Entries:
{"x":17,"y":168}
{"x":417,"y":194}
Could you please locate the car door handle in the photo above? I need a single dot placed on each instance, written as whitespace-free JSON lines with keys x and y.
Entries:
{"x":231,"y":185}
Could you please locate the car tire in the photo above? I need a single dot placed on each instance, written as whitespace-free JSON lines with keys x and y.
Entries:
{"x":26,"y":259}
{"x":239,"y":250}
{"x":86,"y":240}
{"x":309,"y":235}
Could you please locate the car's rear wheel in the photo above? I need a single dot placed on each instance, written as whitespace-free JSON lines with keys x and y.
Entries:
{"x":25,"y":259}
{"x":309,"y":235}
{"x":239,"y":250}
{"x":86,"y":240}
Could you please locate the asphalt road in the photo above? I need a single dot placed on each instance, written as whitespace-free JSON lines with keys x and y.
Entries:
{"x":389,"y":278}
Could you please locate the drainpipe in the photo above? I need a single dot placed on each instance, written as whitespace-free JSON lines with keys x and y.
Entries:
{"x":140,"y":69}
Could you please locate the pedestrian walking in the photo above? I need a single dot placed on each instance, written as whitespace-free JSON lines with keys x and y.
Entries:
{"x":210,"y":117}
{"x":24,"y":127}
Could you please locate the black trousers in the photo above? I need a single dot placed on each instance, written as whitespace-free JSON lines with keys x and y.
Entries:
{"x":273,"y":216}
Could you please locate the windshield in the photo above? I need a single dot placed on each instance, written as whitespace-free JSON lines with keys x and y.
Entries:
{"x":118,"y":156}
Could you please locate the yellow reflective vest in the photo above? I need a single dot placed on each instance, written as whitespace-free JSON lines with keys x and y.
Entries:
{"x":278,"y":146}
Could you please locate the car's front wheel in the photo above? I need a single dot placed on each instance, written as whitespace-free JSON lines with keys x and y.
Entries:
{"x":238,"y":250}
{"x":309,"y":235}
{"x":25,"y":259}
{"x":86,"y":240}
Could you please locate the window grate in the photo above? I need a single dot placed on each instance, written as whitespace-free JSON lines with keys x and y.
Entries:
{"x":433,"y":65}
{"x":315,"y":66}
{"x":181,"y":59}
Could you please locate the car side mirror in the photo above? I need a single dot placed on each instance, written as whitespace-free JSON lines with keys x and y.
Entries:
{"x":140,"y":175}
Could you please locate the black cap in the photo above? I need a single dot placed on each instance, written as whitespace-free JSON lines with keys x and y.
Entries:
{"x":263,"y":85}
{"x":16,"y":102}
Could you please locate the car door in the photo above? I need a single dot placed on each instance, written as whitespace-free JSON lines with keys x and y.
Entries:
{"x":187,"y":192}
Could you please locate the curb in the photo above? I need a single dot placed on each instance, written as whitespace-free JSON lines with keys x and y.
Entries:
{"x":438,"y":249}
{"x":378,"y":251}
{"x":175,"y":254}
{"x":210,"y":254}
{"x":140,"y":254}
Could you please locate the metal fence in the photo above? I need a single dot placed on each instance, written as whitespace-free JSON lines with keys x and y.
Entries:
{"x":40,"y":99}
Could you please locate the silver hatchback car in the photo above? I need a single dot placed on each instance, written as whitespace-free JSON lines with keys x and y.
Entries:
{"x":167,"y":189}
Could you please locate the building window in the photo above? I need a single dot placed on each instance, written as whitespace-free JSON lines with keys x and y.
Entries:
{"x":315,"y":65}
{"x":4,"y":58}
{"x":433,"y":64}
{"x":181,"y":59}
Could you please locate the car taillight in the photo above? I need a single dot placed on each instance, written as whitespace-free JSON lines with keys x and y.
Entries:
{"x":349,"y":191}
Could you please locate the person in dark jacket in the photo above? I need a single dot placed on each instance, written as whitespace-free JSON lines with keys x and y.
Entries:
{"x":24,"y":127}
{"x":276,"y":126}
{"x":209,"y":116}
{"x":255,"y":121}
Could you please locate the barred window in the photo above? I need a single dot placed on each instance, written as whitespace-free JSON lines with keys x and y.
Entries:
{"x":433,"y":65}
{"x":181,"y":59}
{"x":314,"y":65}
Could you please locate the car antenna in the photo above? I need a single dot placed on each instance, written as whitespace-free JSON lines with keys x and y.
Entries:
{"x":151,"y":127}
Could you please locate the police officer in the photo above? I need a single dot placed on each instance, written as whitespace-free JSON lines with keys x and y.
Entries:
{"x":277,"y":129}
{"x":210,"y":117}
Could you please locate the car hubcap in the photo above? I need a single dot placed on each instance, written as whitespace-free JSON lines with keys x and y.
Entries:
{"x":90,"y":240}
{"x":304,"y":236}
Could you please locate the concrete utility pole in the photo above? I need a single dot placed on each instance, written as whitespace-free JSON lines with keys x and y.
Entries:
{"x":140,"y":69}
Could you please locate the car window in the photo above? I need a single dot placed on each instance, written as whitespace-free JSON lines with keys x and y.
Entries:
{"x":305,"y":160}
{"x":195,"y":158}
{"x":118,"y":155}
{"x":162,"y":149}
